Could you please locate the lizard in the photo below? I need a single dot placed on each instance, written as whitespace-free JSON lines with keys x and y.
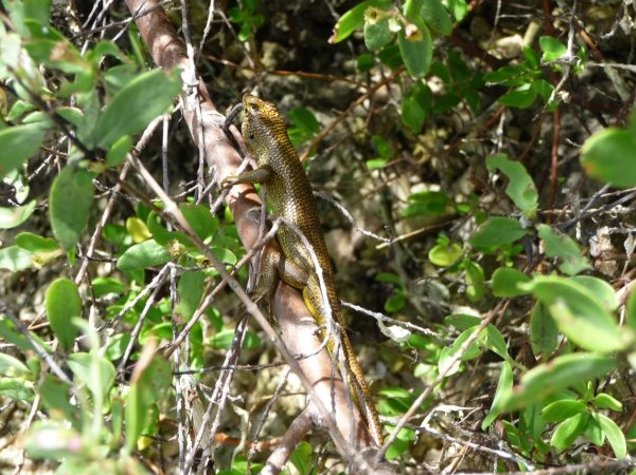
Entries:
{"x":289,"y":195}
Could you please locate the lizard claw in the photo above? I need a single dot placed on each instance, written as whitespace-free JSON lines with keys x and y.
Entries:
{"x":229,"y":182}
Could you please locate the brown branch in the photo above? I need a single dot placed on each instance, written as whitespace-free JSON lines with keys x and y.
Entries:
{"x":554,"y":156}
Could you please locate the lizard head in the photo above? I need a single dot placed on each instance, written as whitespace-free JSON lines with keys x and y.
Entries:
{"x":262,"y":124}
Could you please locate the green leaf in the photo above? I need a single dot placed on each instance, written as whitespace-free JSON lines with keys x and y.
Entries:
{"x":14,"y":258}
{"x":504,"y":388}
{"x":563,"y":246}
{"x":390,"y":56}
{"x":497,"y":231}
{"x":605,"y":401}
{"x":505,"y":280}
{"x":135,"y":105}
{"x":36,"y":243}
{"x":552,"y":48}
{"x":395,"y":302}
{"x":476,"y":288}
{"x":520,"y":188}
{"x":443,"y":255}
{"x":492,"y":339}
{"x":164,"y":237}
{"x":18,"y":143}
{"x":224,"y":255}
{"x":305,"y":125}
{"x":117,"y":346}
{"x":11,"y":334}
{"x":200,"y":219}
{"x":614,"y":435}
{"x":579,"y":314}
{"x":426,"y":203}
{"x":17,"y":388}
{"x":521,"y":97}
{"x":459,"y":8}
{"x":354,"y":18}
{"x":96,"y":372}
{"x":23,"y":11}
{"x":117,"y":152}
{"x":377,"y":32}
{"x":70,"y":201}
{"x":560,"y":373}
{"x":149,"y":385}
{"x":107,"y":285}
{"x":141,"y":256}
{"x":63,"y":302}
{"x":562,"y":409}
{"x":303,"y":458}
{"x":15,"y":216}
{"x":416,"y":49}
{"x":416,"y":106}
{"x":437,"y":17}
{"x":12,"y":367}
{"x":365,"y":62}
{"x":601,"y":290}
{"x":449,"y":352}
{"x":567,"y":431}
{"x":55,"y":395}
{"x":544,"y":333}
{"x":461,"y":321}
{"x":594,"y":432}
{"x":610,"y":156}
{"x":189,"y":292}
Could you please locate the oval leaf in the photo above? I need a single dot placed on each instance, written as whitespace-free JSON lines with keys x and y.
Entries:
{"x":18,"y":144}
{"x":14,"y":217}
{"x":63,"y":303}
{"x":437,"y":17}
{"x":544,"y":333}
{"x":520,"y":188}
{"x":558,"y":374}
{"x":141,"y":256}
{"x":354,"y":18}
{"x":504,"y":387}
{"x":563,"y":246}
{"x":567,"y":431}
{"x":497,"y":231}
{"x":70,"y":201}
{"x":579,"y":314}
{"x":614,"y":435}
{"x":136,"y":104}
{"x":505,"y":280}
{"x":610,"y":156}
{"x":564,"y":409}
{"x":36,"y":243}
{"x":416,"y":50}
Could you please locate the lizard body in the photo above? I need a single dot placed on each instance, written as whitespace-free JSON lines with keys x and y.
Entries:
{"x":289,"y":195}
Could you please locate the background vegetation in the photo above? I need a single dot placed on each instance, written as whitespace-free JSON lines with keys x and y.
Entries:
{"x":491,"y":143}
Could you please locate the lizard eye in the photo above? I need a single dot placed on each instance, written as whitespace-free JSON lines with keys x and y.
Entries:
{"x":251,"y":136}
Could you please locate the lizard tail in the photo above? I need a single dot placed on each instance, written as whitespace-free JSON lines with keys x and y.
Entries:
{"x":361,"y":391}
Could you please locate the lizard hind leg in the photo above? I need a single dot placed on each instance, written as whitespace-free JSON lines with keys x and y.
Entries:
{"x":271,"y":265}
{"x":263,"y":276}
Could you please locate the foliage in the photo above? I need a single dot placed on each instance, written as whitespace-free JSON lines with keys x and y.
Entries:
{"x":506,"y":287}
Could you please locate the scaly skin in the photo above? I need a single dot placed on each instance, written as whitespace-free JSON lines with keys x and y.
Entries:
{"x":290,"y":196}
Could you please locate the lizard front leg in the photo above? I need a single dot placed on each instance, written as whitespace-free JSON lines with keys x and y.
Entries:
{"x":258,"y":175}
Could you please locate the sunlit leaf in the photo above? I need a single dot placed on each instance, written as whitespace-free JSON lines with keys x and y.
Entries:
{"x":63,"y":303}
